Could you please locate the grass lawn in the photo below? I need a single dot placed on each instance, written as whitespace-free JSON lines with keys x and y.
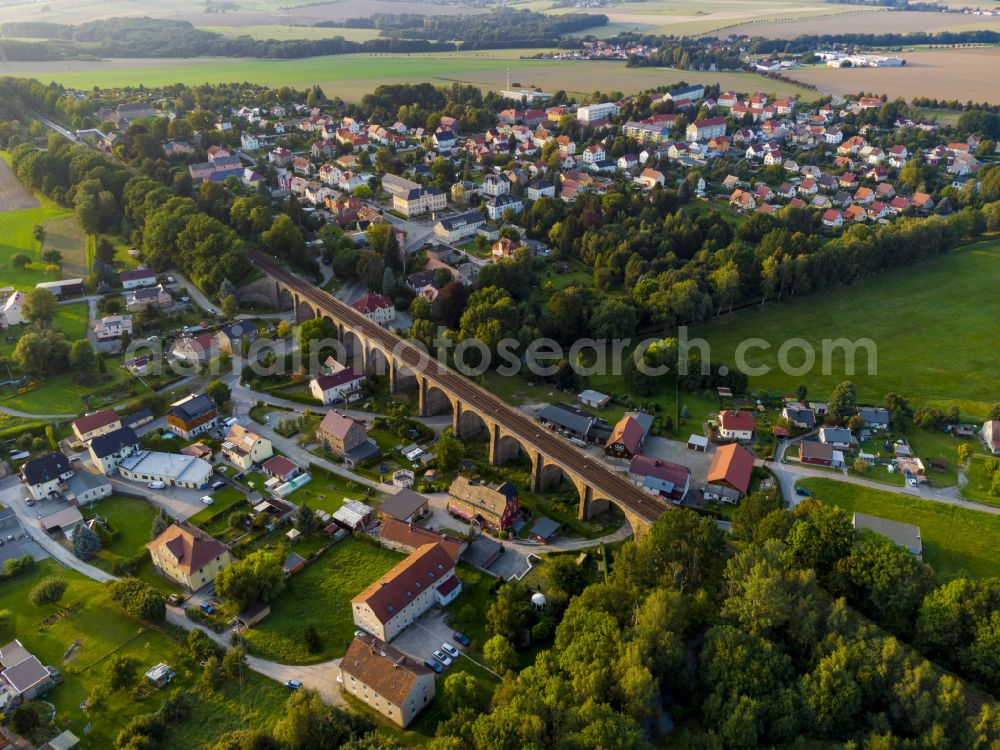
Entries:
{"x":211,"y":516}
{"x":979,"y":481}
{"x":18,"y":237}
{"x":327,"y":491}
{"x":98,"y":629}
{"x":320,"y":595}
{"x":934,"y":346}
{"x":132,"y":519}
{"x":956,"y":541}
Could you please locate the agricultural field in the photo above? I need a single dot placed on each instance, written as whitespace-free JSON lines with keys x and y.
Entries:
{"x":277,"y":31}
{"x":352,"y":76}
{"x":13,"y":195}
{"x":320,"y":595}
{"x":67,"y":236}
{"x":935,"y":73}
{"x":87,"y":629}
{"x":888,"y":21}
{"x":955,"y":540}
{"x":248,"y":13}
{"x":934,"y":345}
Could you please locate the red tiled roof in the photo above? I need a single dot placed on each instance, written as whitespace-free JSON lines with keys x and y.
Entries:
{"x":736,"y":420}
{"x":371,"y":302}
{"x":732,"y":464}
{"x":95,"y":421}
{"x":425,"y":568}
{"x":628,"y":432}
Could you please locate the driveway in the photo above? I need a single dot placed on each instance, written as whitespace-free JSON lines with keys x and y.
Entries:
{"x":426,"y":635}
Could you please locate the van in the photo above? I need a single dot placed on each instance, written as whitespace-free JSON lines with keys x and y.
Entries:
{"x":156,"y":485}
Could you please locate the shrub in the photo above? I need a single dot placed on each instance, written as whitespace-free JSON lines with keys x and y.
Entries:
{"x":49,"y":590}
{"x":139,"y":599}
{"x":151,"y":726}
{"x":17,"y":565}
{"x":6,"y":620}
{"x":314,"y":643}
{"x":86,"y":542}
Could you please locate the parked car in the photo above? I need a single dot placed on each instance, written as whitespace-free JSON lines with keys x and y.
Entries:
{"x":461,"y":638}
{"x":218,"y":485}
{"x":803,"y":492}
{"x":450,"y":650}
{"x":207,"y":608}
{"x":30,"y":502}
{"x":431,"y":664}
{"x":293,"y":684}
{"x":156,"y":485}
{"x":206,"y":500}
{"x":442,"y":657}
{"x":175,"y":599}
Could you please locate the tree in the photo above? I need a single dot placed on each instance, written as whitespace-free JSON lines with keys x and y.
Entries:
{"x":461,"y":691}
{"x":83,"y":361}
{"x":258,"y":576}
{"x":310,"y":637}
{"x":307,"y":723}
{"x":139,"y":599}
{"x":20,"y":260}
{"x":449,"y":451}
{"x":843,"y":401}
{"x":230,"y":306}
{"x":801,"y":392}
{"x":25,"y":720}
{"x":218,"y":391}
{"x":234,"y":662}
{"x":510,"y":612}
{"x":305,"y":519}
{"x":161,"y":522}
{"x":86,"y":543}
{"x":753,"y":509}
{"x":964,"y":453}
{"x":47,"y":591}
{"x":52,"y":256}
{"x":499,"y":654}
{"x":899,"y":410}
{"x":120,"y":673}
{"x":42,"y":353}
{"x":40,"y":305}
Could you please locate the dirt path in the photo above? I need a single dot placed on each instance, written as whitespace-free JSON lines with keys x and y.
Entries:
{"x":13,"y":195}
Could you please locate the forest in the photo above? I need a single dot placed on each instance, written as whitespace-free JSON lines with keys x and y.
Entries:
{"x":794,"y":631}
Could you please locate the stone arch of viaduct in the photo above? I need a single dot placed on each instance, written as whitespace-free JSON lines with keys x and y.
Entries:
{"x":434,"y":397}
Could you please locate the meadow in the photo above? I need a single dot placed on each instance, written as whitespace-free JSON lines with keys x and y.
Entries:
{"x":89,"y":629}
{"x":352,"y":76}
{"x":936,"y":345}
{"x":937,"y":73}
{"x":956,"y":541}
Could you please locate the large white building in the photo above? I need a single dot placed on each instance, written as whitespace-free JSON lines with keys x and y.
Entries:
{"x":593,"y":112}
{"x":425,"y":578}
{"x":170,"y":468}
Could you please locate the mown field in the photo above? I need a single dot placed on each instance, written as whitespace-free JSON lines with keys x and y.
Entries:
{"x":353,"y":76}
{"x":937,"y":73}
{"x":936,"y":344}
{"x":955,"y":540}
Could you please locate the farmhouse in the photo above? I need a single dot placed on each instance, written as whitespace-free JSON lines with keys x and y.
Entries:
{"x":729,"y":474}
{"x":392,"y":683}
{"x":667,"y":480}
{"x":394,"y":601}
{"x":187,"y":555}
{"x":492,"y":505}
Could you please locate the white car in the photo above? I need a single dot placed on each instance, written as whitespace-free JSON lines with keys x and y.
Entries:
{"x":440,"y":656}
{"x":450,"y":650}
{"x":156,"y":485}
{"x":206,"y":500}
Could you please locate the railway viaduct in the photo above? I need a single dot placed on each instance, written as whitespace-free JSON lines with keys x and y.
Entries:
{"x":473,"y":408}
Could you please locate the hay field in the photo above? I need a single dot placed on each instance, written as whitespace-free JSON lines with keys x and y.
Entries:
{"x":352,"y":76}
{"x":961,"y":74}
{"x":283,"y":31}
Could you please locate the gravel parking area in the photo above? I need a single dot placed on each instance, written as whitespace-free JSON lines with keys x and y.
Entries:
{"x":678,"y":453}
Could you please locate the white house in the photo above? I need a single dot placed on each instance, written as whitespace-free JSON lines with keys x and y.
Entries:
{"x":736,"y":425}
{"x":113,"y":327}
{"x":595,"y":112}
{"x":376,"y":307}
{"x":497,"y":204}
{"x":593,"y":153}
{"x":343,"y":385}
{"x":12,"y":310}
{"x":46,"y":474}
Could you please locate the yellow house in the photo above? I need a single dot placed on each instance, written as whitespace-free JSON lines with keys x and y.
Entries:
{"x":245,"y":448}
{"x":90,"y":426}
{"x":188,"y":556}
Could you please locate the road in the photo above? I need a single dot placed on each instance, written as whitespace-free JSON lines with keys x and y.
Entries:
{"x":195,"y":293}
{"x":320,"y":677}
{"x":529,"y":433}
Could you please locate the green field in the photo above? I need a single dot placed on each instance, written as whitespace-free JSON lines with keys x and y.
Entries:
{"x":936,"y":345}
{"x":67,"y":236}
{"x":79,"y":643}
{"x":352,"y":76}
{"x":956,"y":541}
{"x":279,"y":31}
{"x":320,"y":595}
{"x":18,"y":237}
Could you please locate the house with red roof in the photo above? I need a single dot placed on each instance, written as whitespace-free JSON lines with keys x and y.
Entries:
{"x":729,"y":474}
{"x":832,"y":218}
{"x":736,"y":425}
{"x":663,"y":478}
{"x":376,"y":307}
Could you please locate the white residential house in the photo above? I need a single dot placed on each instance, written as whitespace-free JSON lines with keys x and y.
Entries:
{"x":113,"y":327}
{"x":343,"y":385}
{"x":593,"y":153}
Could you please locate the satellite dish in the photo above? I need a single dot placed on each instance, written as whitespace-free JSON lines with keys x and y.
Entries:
{"x":538,"y":599}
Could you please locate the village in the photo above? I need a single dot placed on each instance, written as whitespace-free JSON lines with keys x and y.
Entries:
{"x":324,"y":524}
